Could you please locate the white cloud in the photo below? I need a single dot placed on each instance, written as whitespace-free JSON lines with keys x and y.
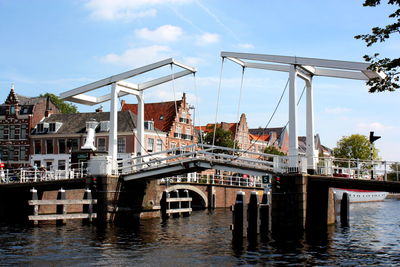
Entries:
{"x":193,"y":61}
{"x":374,"y":126}
{"x":136,"y":57}
{"x":165,"y":33}
{"x":126,"y":9}
{"x":246,"y":46}
{"x":337,"y":110}
{"x":208,"y":38}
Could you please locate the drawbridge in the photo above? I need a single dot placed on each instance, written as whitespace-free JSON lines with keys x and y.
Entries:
{"x":199,"y":157}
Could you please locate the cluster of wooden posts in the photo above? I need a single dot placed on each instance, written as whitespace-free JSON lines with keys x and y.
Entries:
{"x":258,"y":219}
{"x":174,"y":204}
{"x":61,"y":204}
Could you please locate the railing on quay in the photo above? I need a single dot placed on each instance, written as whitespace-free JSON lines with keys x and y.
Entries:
{"x":359,"y":169}
{"x":28,"y":175}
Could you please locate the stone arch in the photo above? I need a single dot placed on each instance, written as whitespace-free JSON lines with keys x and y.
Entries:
{"x":190,"y":188}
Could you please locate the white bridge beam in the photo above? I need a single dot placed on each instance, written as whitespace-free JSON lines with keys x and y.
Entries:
{"x":305,"y":68}
{"x":119,"y":88}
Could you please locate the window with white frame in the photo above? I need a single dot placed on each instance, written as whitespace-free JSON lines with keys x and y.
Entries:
{"x":101,"y":144}
{"x":121,"y":145}
{"x":150,"y":144}
{"x":159,"y":145}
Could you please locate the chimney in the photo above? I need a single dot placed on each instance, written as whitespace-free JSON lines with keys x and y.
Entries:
{"x":48,"y":110}
{"x":99,"y":109}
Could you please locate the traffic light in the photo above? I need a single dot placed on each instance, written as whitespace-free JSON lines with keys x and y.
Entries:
{"x":278,"y":182}
{"x":373,"y":138}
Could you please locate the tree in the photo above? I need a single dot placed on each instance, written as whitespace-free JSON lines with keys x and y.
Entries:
{"x":390,"y":66}
{"x":61,"y":104}
{"x":222,"y":138}
{"x":355,"y":146}
{"x":273,"y":150}
{"x":394,"y":173}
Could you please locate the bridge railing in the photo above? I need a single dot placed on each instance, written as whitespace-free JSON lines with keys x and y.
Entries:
{"x":206,"y":152}
{"x":218,"y":179}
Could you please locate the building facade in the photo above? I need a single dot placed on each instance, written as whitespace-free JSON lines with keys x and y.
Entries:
{"x":171,"y":117}
{"x":18,"y":116}
{"x":59,"y":136}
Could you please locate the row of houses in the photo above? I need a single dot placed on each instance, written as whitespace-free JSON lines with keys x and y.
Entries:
{"x":33,"y":132}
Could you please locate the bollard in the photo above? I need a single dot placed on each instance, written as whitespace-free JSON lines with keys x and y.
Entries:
{"x":61,"y":209}
{"x":252,"y":217}
{"x":265,"y":215}
{"x":345,"y":210}
{"x":35,"y":209}
{"x":164,"y":205}
{"x":238,"y":216}
{"x":88,"y":208}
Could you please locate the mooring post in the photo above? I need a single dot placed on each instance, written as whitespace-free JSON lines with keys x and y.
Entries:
{"x":186,"y":204}
{"x":345,"y":209}
{"x":88,"y":208}
{"x":238,"y":216}
{"x":164,"y":203}
{"x":35,"y":209}
{"x":265,"y":215}
{"x":252,"y":217}
{"x":61,"y":209}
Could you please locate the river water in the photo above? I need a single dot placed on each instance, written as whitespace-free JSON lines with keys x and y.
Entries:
{"x":204,"y":239}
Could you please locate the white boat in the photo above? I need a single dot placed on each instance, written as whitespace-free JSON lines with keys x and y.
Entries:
{"x":357,"y":195}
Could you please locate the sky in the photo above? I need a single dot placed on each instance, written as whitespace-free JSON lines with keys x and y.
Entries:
{"x":55,"y":46}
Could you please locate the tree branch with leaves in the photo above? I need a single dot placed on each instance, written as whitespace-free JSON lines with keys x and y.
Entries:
{"x":391,"y":67}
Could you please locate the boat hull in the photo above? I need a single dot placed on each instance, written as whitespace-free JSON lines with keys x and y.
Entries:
{"x":359,"y":196}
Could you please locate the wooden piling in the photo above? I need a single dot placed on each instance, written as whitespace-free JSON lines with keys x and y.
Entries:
{"x":345,"y":210}
{"x":238,"y":216}
{"x":265,"y":215}
{"x":88,"y":208}
{"x":252,"y":217}
{"x":35,"y":208}
{"x":61,"y":208}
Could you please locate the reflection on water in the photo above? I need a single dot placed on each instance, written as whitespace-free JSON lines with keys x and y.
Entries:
{"x":204,"y":238}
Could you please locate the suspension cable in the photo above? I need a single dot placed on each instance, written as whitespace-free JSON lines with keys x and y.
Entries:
{"x":266,"y":126}
{"x":238,"y":110}
{"x":216,"y":110}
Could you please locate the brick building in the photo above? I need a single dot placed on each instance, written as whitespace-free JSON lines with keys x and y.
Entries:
{"x":18,"y":116}
{"x":171,"y":117}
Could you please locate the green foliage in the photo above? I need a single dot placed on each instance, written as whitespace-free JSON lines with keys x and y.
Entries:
{"x":61,"y":105}
{"x":394,"y":173}
{"x":222,"y":138}
{"x":380,"y":34}
{"x":273,"y":150}
{"x":355,"y":146}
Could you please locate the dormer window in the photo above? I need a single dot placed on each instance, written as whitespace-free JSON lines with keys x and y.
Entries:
{"x":42,"y":127}
{"x":161,"y":117}
{"x":54,"y":126}
{"x":149,"y":125}
{"x":104,"y":126}
{"x":12,"y":109}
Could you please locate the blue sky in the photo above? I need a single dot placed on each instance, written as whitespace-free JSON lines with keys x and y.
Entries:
{"x":54,"y":46}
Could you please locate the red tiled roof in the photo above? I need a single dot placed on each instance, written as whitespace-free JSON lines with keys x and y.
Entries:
{"x":162,"y":113}
{"x":264,"y":137}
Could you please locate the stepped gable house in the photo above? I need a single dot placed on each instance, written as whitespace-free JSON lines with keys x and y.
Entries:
{"x":18,"y":116}
{"x":171,"y":117}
